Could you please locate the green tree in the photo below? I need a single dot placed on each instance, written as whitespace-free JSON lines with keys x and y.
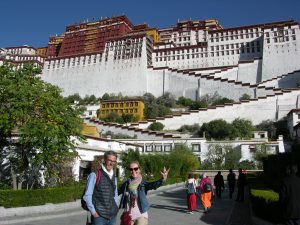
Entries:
{"x":243,"y":127}
{"x":232,"y":157}
{"x":247,"y":164}
{"x":114,"y":118}
{"x":182,"y":161}
{"x":222,"y":101}
{"x":156,"y":126}
{"x":198,"y":104}
{"x":245,"y":97}
{"x":105,"y":96}
{"x":218,"y":129}
{"x":260,"y":153}
{"x":184,"y":101}
{"x":127,"y":118}
{"x":214,"y":158}
{"x":190,"y":129}
{"x":167,"y":100}
{"x":269,"y":126}
{"x":45,"y":123}
{"x":74,"y":98}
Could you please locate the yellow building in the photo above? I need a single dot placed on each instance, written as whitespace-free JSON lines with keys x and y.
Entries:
{"x":154,"y":34}
{"x":90,"y":130}
{"x":41,"y":51}
{"x":123,"y":106}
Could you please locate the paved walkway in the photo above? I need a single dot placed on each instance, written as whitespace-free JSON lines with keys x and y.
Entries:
{"x":167,"y":208}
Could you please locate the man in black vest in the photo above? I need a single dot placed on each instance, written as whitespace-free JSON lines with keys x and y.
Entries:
{"x":102,"y":197}
{"x":289,"y":196}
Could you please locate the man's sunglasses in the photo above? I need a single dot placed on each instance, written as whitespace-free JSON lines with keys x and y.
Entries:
{"x":134,"y":169}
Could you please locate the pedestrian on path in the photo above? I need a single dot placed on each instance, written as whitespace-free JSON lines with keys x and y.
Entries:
{"x":191,"y":193}
{"x":206,"y":188}
{"x":289,"y":196}
{"x":231,"y":182}
{"x":101,"y":198}
{"x":241,"y":183}
{"x":219,"y":184}
{"x":134,"y":191}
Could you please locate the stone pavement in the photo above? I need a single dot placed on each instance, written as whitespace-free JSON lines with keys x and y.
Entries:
{"x":168,"y":207}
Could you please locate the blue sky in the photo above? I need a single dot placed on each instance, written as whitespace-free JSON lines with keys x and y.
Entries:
{"x":31,"y":22}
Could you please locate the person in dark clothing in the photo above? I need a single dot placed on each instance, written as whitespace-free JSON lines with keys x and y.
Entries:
{"x":241,"y":183}
{"x":219,"y":184}
{"x":289,"y":196}
{"x":231,"y":182}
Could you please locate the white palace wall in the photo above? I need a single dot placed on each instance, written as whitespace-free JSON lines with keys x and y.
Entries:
{"x":281,"y":51}
{"x":100,"y":76}
{"x":265,"y":108}
{"x":285,"y":81}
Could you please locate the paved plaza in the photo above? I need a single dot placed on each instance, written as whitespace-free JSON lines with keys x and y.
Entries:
{"x":168,"y":207}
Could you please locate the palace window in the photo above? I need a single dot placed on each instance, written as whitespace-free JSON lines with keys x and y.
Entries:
{"x":168,"y":148}
{"x":148,"y":148}
{"x":196,"y":148}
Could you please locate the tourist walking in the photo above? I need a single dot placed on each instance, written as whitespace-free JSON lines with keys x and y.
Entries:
{"x":289,"y":196}
{"x":101,"y":192}
{"x":231,"y":182}
{"x":134,"y":191}
{"x":191,"y":193}
{"x":241,"y":183}
{"x":219,"y":184}
{"x":206,"y":189}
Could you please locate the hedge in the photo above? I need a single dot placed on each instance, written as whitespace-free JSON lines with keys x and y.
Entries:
{"x":265,"y":201}
{"x":21,"y":198}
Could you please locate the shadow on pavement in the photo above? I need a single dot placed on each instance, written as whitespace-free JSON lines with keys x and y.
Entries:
{"x":177,"y":197}
{"x":171,"y":208}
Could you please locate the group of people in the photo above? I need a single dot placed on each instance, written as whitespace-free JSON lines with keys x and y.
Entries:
{"x":204,"y":188}
{"x":101,"y":194}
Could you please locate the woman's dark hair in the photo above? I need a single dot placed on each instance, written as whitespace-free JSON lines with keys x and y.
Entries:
{"x":190,"y":176}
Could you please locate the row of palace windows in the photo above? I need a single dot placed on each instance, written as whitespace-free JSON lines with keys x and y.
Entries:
{"x":281,"y":33}
{"x":242,"y":36}
{"x":235,"y":32}
{"x":123,"y":42}
{"x":128,"y":56}
{"x":281,"y":39}
{"x":121,"y":105}
{"x":220,"y":53}
{"x":168,"y":147}
{"x":107,"y":111}
{"x":73,"y":61}
{"x":181,"y":51}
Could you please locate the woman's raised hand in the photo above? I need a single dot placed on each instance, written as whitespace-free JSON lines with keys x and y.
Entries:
{"x":164,"y":173}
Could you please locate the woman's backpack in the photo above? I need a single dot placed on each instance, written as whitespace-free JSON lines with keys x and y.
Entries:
{"x":207,"y":187}
{"x":190,"y":189}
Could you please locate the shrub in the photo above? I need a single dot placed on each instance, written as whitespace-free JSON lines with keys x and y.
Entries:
{"x":156,"y":126}
{"x":218,"y":129}
{"x":22,"y":198}
{"x":265,"y":201}
{"x":265,"y":205}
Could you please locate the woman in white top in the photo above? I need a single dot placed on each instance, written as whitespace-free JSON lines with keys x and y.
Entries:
{"x":191,"y":193}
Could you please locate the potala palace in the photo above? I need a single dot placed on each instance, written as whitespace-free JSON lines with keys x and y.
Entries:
{"x":190,"y":59}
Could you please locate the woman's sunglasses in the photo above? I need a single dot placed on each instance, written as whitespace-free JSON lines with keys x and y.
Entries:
{"x":134,"y":169}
